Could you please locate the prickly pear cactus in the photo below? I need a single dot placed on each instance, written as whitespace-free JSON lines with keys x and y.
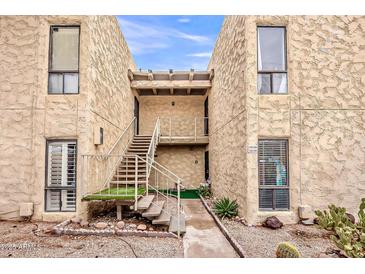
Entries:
{"x":287,"y":250}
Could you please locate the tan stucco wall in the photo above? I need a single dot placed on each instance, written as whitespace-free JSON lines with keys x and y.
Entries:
{"x":227,"y":113}
{"x":183,"y":114}
{"x":322,"y":115}
{"x":29,"y":116}
{"x":187,"y":162}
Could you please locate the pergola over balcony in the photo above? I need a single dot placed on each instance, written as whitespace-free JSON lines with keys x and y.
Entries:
{"x":171,"y":82}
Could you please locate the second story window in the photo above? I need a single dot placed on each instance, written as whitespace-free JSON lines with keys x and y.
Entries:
{"x":271,"y":60}
{"x":63,"y":76}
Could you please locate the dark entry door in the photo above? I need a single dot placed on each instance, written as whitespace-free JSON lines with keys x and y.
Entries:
{"x":136,"y":113}
{"x":206,"y":128}
{"x":206,"y":163}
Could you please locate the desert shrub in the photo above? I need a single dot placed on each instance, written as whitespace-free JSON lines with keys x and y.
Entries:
{"x":204,"y":191}
{"x":287,"y":250}
{"x":225,"y":208}
{"x":348,"y":236}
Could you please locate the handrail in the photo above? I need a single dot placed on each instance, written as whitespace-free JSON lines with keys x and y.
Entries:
{"x":190,"y":127}
{"x":112,"y":171}
{"x":150,"y":155}
{"x":121,"y":136}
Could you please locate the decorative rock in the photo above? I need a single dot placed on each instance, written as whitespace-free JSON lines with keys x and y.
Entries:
{"x":132,"y":226}
{"x":272,"y":222}
{"x":48,"y":230}
{"x":307,"y":222}
{"x":84,"y":223}
{"x":101,"y":225}
{"x":150,"y":229}
{"x":141,"y":227}
{"x":120,"y":225}
{"x":76,"y":220}
{"x":351,"y":217}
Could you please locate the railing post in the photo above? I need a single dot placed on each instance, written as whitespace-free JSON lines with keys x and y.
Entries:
{"x":147,"y":172}
{"x":135,"y":182}
{"x":178,"y":208}
{"x":82,"y":175}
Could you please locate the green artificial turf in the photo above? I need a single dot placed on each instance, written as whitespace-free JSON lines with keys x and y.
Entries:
{"x":184,"y":194}
{"x":114,"y":193}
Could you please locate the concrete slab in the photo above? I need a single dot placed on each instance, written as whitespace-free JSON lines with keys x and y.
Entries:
{"x":203,"y":239}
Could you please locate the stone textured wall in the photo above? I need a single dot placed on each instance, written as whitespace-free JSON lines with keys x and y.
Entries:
{"x":227,"y":113}
{"x":182,"y":114}
{"x":29,"y":116}
{"x":187,"y":162}
{"x":322,"y":116}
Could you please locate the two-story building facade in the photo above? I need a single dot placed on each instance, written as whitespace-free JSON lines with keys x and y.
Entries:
{"x":275,"y":122}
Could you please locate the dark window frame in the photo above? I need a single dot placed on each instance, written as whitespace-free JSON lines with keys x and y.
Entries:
{"x":271,"y":72}
{"x":273,"y":187}
{"x":63,"y":72}
{"x":59,"y":188}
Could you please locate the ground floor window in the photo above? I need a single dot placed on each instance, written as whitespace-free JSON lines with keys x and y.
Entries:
{"x":273,"y":174}
{"x":60,"y":191}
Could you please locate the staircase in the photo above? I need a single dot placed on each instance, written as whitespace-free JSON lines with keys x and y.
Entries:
{"x":154,"y":205}
{"x":126,"y":172}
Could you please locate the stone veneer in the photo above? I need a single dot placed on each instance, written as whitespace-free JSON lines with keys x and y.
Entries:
{"x":323,"y":114}
{"x":29,"y":116}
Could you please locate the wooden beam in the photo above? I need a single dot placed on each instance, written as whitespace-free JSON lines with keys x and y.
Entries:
{"x":211,"y":74}
{"x":154,"y":91}
{"x":178,"y":84}
{"x":150,"y":76}
{"x":171,"y":91}
{"x":191,"y":75}
{"x":188,"y":91}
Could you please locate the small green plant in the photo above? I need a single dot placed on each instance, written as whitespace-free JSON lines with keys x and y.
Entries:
{"x":361,"y":215}
{"x":204,"y":191}
{"x":287,"y":250}
{"x":225,"y":208}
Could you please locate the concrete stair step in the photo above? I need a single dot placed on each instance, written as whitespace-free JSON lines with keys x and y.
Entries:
{"x":121,"y":176}
{"x":127,"y":182}
{"x":154,"y":210}
{"x":145,"y":202}
{"x":174,"y":224}
{"x":163,"y":219}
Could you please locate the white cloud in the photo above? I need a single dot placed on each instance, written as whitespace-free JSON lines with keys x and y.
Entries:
{"x":144,"y":38}
{"x":183,"y":20}
{"x":200,"y":54}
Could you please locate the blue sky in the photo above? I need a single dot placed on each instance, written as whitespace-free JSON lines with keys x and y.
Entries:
{"x":171,"y":42}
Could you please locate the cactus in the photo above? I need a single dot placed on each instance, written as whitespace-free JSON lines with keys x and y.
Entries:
{"x":351,"y":240}
{"x":287,"y":250}
{"x":335,"y":217}
{"x":361,"y":215}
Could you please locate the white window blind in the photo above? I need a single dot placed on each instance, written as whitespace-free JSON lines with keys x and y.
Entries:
{"x":273,"y":174}
{"x":61,"y":180}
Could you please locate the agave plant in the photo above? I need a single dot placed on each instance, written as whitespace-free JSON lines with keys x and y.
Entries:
{"x":225,"y":208}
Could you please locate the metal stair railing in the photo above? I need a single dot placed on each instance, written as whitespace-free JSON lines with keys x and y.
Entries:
{"x":165,"y":178}
{"x":97,"y":170}
{"x":150,"y":156}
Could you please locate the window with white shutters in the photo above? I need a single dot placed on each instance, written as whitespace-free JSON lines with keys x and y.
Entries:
{"x":273,"y":174}
{"x":61,"y":176}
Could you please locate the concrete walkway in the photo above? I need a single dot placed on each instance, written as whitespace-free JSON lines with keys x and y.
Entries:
{"x":203,"y":239}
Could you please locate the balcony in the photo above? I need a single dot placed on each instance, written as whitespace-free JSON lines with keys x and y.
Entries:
{"x":184,"y":130}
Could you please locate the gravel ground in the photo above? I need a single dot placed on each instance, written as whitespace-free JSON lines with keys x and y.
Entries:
{"x":261,"y":242}
{"x":21,"y":239}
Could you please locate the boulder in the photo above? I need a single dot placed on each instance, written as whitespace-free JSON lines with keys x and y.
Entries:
{"x":84,"y":224}
{"x":150,"y":229}
{"x":101,"y":225}
{"x":76,"y":220}
{"x":120,"y":225}
{"x":351,"y":218}
{"x":272,"y":222}
{"x":48,"y":230}
{"x":132,"y":226}
{"x":141,"y":227}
